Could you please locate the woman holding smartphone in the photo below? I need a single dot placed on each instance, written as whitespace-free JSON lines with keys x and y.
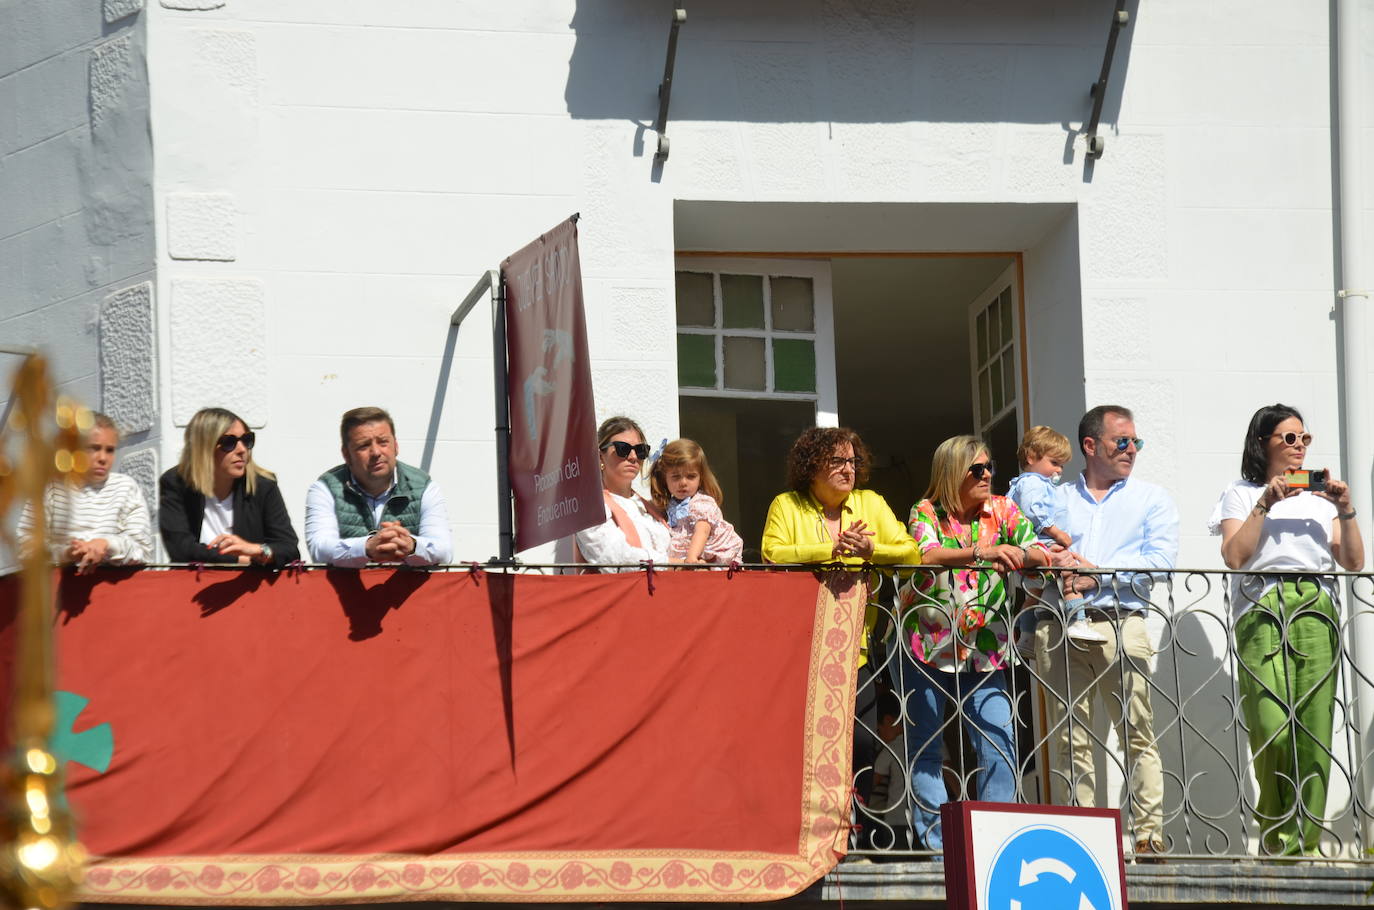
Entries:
{"x":1287,"y":627}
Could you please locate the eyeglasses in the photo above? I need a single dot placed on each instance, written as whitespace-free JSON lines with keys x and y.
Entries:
{"x":1292,"y":439}
{"x":1123,"y":443}
{"x":623,"y":449}
{"x":836,"y":462}
{"x":229,"y":442}
{"x":981,"y":468}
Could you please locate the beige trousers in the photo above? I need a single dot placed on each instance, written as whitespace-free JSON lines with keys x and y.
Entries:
{"x":1078,"y":671}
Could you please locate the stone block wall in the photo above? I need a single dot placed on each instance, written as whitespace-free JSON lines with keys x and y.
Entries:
{"x":77,"y":249}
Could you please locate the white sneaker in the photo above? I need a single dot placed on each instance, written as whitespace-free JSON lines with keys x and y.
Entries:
{"x":1080,"y":630}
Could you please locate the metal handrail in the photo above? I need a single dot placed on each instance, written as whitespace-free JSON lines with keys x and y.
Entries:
{"x":1200,"y":728}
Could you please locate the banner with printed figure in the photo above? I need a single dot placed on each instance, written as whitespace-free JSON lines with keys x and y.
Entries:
{"x":553,"y":457}
{"x":334,"y":736}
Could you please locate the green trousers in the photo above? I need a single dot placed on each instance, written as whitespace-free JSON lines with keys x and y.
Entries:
{"x":1289,"y":653}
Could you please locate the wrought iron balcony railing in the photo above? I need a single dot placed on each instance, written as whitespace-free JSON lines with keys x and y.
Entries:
{"x":1225,"y":653}
{"x":1232,"y":664}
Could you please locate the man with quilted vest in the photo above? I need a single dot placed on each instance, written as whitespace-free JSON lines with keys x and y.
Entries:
{"x":373,"y":508}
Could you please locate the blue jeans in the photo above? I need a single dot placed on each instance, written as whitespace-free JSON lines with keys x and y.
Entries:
{"x":985,"y":703}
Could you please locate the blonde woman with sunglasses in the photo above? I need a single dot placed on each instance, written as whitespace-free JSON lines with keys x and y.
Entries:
{"x":635,"y":530}
{"x":217,"y":505}
{"x":956,"y":629}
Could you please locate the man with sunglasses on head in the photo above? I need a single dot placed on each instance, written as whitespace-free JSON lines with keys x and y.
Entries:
{"x":374,"y":508}
{"x":1114,"y":520}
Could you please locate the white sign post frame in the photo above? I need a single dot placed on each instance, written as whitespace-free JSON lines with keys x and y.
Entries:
{"x":1012,"y":856}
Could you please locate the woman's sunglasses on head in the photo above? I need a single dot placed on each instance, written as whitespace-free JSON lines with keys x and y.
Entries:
{"x":228,"y":442}
{"x":623,"y":449}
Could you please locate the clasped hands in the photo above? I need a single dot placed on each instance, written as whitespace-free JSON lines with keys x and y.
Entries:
{"x":855,"y":540}
{"x":86,"y":555}
{"x":390,"y":543}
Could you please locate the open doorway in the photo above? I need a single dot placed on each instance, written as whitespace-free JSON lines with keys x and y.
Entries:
{"x":905,"y":349}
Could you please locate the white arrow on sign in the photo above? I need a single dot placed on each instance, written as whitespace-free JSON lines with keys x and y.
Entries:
{"x":1030,"y":871}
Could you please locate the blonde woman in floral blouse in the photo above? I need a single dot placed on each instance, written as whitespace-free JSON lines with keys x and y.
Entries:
{"x":955,"y":627}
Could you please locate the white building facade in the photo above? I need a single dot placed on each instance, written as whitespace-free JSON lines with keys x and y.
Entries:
{"x":876,"y":213}
{"x":329,"y":178}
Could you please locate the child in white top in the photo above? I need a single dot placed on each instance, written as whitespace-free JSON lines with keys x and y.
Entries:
{"x":684,"y":487}
{"x":1041,"y":456}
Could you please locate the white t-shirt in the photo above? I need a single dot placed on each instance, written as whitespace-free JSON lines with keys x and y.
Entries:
{"x":889,"y":801}
{"x":218,"y":518}
{"x":605,"y":543}
{"x":1296,"y":537}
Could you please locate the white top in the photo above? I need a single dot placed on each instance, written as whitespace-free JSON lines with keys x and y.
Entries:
{"x":433,"y":545}
{"x":1296,"y":537}
{"x":218,"y":518}
{"x":890,"y":803}
{"x":115,"y":511}
{"x":605,"y":543}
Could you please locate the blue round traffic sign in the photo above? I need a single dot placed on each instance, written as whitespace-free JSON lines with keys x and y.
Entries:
{"x":1043,"y":868}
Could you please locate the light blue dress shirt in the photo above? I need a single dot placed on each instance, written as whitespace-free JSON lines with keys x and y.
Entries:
{"x":1135,"y":526}
{"x":1040,"y":500}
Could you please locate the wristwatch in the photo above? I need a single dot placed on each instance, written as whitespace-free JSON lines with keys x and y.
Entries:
{"x":266,"y":554}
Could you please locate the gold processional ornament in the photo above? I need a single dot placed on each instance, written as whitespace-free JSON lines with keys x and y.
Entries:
{"x":40,"y":859}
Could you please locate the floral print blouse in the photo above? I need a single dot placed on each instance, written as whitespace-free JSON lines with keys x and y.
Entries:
{"x":974,"y":598}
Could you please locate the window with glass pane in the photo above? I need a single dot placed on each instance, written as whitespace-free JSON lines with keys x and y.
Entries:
{"x":696,"y":361}
{"x":745,"y":367}
{"x":742,"y":301}
{"x":792,"y":304}
{"x":696,"y":299}
{"x":794,"y":365}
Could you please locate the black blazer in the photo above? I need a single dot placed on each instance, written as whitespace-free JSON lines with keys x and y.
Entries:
{"x":258,"y":518}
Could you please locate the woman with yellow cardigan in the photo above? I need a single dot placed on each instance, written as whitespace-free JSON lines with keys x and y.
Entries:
{"x":824,"y":518}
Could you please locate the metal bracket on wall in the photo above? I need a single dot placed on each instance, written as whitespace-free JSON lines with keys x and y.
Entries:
{"x":1120,"y":19}
{"x":665,"y":88}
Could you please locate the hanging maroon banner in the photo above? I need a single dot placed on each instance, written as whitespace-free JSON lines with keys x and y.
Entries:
{"x":553,"y":459}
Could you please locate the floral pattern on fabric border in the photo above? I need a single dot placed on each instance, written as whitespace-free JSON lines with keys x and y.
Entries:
{"x":639,"y":875}
{"x":959,"y":618}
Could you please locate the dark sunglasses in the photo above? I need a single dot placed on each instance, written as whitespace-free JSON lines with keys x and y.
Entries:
{"x":623,"y":449}
{"x":1292,"y":439}
{"x":1123,"y":443}
{"x":228,"y":442}
{"x":983,"y":467}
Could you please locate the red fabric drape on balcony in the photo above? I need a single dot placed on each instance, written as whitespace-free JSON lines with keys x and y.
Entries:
{"x":330,"y":735}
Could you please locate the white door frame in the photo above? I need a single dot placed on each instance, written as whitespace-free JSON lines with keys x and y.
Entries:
{"x":1008,"y":280}
{"x":826,"y":397}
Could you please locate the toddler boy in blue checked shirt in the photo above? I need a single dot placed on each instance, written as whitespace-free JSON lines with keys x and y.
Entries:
{"x":1041,"y":458}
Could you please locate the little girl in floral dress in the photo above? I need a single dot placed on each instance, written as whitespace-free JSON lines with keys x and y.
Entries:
{"x":684,"y":487}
